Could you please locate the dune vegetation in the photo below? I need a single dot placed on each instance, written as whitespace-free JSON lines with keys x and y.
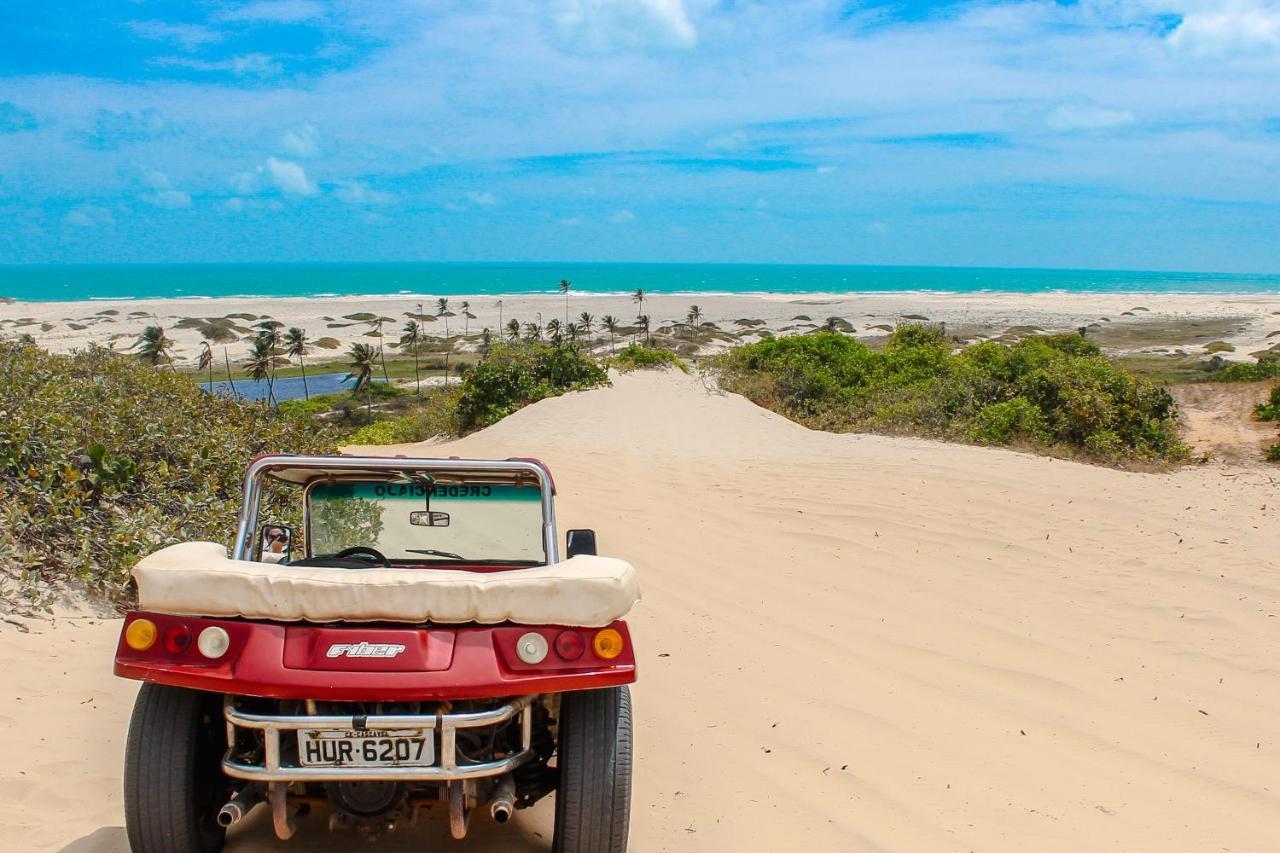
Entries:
{"x":1054,"y":393}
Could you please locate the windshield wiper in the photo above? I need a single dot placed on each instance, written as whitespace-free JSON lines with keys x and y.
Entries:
{"x":432,"y":552}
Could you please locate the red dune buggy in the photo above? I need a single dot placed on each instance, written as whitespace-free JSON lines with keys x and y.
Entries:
{"x":411,"y":639}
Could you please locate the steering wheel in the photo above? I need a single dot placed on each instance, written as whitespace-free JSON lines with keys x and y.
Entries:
{"x":364,"y":552}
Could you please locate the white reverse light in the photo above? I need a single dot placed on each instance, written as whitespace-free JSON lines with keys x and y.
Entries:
{"x":213,"y":642}
{"x":532,"y":648}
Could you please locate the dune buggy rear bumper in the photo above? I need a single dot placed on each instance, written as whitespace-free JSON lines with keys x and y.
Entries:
{"x":275,"y":766}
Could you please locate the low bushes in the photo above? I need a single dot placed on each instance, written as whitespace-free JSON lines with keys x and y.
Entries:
{"x":104,"y":459}
{"x":1054,"y":391}
{"x":634,"y":356}
{"x":514,"y":375}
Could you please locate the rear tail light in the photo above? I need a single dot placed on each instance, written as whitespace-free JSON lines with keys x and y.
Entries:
{"x":532,"y":648}
{"x":177,"y":639}
{"x":140,"y":635}
{"x":607,"y":644}
{"x":213,"y":642}
{"x":570,"y":645}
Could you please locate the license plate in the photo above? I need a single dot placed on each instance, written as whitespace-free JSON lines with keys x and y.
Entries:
{"x":366,"y":748}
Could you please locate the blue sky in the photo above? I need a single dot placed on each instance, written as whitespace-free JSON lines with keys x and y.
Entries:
{"x":1105,"y":133}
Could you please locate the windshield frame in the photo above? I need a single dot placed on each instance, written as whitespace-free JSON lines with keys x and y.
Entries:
{"x":305,"y":470}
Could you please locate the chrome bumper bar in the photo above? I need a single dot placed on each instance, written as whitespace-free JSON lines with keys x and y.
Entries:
{"x":446,"y":768}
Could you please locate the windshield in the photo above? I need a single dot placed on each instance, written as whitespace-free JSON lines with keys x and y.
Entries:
{"x":417,"y":522}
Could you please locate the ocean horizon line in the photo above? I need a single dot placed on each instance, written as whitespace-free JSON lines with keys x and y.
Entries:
{"x":105,"y":282}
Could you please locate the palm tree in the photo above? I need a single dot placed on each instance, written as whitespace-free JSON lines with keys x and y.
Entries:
{"x":695,"y":315}
{"x":226,"y":357}
{"x":832,"y":324}
{"x":375,"y":330}
{"x":442,"y":310}
{"x":269,"y":332}
{"x":513,"y":329}
{"x":410,"y":340}
{"x":362,"y":358}
{"x":467,"y":317}
{"x":587,"y":322}
{"x":498,"y":305}
{"x":554,"y":330}
{"x":533,"y":331}
{"x":610,"y":324}
{"x":486,"y":339}
{"x":296,"y":346}
{"x":262,"y":365}
{"x":643,"y":321}
{"x":638,"y":298}
{"x":154,"y":346}
{"x":573,"y":330}
{"x":565,"y":284}
{"x":205,"y":362}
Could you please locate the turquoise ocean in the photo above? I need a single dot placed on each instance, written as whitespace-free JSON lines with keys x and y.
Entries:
{"x":148,"y":281}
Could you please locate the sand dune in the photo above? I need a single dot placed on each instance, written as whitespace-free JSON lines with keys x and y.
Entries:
{"x":846,"y":642}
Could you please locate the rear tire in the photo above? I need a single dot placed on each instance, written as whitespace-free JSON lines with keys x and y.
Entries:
{"x":173,"y":781}
{"x":593,"y":801}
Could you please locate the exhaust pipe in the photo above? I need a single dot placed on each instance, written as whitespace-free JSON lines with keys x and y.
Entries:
{"x":239,"y":806}
{"x":504,"y":799}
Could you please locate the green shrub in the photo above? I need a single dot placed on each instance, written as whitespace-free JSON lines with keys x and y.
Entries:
{"x":435,"y":415}
{"x":1270,"y":410}
{"x":634,"y":356}
{"x":1273,"y":452}
{"x":1007,"y":422}
{"x":104,"y":459}
{"x":512,"y":376}
{"x":1055,"y":390}
{"x":1244,"y":371}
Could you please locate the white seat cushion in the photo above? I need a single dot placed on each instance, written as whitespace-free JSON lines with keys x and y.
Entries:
{"x":198,"y":579}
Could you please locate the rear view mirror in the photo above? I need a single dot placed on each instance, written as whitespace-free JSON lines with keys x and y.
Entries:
{"x":429,"y":518}
{"x":580,"y":542}
{"x":276,"y":543}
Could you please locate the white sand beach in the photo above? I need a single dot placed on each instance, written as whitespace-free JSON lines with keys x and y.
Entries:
{"x":846,"y":643}
{"x":1122,"y":322}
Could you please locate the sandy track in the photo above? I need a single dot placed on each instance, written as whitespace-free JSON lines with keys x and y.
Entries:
{"x":846,"y":642}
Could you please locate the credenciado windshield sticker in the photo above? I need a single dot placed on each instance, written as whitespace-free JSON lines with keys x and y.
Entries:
{"x":420,"y":492}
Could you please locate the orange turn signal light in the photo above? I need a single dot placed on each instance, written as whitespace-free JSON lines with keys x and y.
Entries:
{"x":607,"y":644}
{"x":140,"y":635}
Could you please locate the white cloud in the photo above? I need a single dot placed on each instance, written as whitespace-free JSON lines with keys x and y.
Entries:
{"x":164,"y":194}
{"x":622,"y":217}
{"x":234,"y":204}
{"x":247,"y":183}
{"x":1087,"y":117}
{"x":245,"y":65}
{"x":1231,"y":28}
{"x":290,"y":178}
{"x":275,"y":11}
{"x":186,"y":36}
{"x":827,"y":170}
{"x":169,"y":199}
{"x":570,"y":221}
{"x":89,"y":216}
{"x":355,"y":192}
{"x":606,"y":26}
{"x":301,"y":142}
{"x":878,"y":228}
{"x":484,"y":199}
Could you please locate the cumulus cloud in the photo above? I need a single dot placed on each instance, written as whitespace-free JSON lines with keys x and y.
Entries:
{"x":355,"y":192}
{"x":1087,"y":117}
{"x":273,"y":11}
{"x":301,"y":142}
{"x":163,"y":193}
{"x":607,"y":26}
{"x":89,"y":216}
{"x":245,"y":65}
{"x":186,"y":36}
{"x":1235,"y":27}
{"x":290,"y":178}
{"x":14,"y":119}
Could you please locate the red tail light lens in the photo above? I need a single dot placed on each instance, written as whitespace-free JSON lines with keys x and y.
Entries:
{"x":570,"y":645}
{"x":177,"y":639}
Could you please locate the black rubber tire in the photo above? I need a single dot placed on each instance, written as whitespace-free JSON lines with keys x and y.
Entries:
{"x":593,"y":801}
{"x":173,"y":780}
